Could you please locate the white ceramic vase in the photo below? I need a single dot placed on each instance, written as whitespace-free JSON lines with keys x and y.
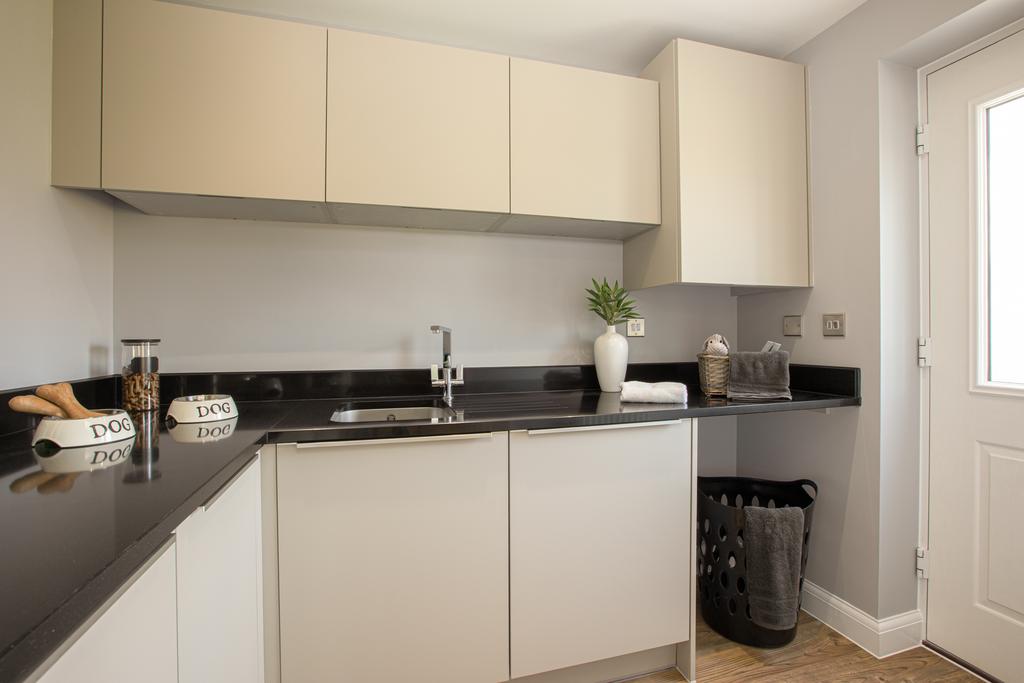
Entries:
{"x":611,"y":352}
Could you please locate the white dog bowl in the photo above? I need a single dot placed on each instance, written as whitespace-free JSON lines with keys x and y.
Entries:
{"x":111,"y":426}
{"x":202,"y":432}
{"x":201,"y":408}
{"x":86,"y":458}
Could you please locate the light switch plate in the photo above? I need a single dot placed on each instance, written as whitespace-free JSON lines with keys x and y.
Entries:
{"x":833,"y":324}
{"x":635,"y":328}
{"x":793,"y":325}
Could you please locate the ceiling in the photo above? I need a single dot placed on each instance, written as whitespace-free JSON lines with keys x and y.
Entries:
{"x":610,"y":35}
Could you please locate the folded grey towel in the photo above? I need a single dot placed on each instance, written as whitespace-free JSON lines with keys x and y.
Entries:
{"x":773,"y":540}
{"x":757,"y":375}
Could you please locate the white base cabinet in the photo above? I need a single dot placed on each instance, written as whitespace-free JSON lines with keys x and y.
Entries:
{"x":220,"y":586}
{"x":394,"y":559}
{"x":133,"y":640}
{"x":600,"y":542}
{"x":193,"y":614}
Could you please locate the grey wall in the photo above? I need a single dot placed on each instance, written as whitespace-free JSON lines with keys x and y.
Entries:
{"x":56,"y":246}
{"x":249,"y":295}
{"x":864,"y":253}
{"x":899,"y":386}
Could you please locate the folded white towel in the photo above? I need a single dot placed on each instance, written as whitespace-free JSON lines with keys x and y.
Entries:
{"x":660,"y":392}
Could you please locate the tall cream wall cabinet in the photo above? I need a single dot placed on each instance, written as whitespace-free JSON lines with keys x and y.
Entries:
{"x":733,"y":172}
{"x":584,"y":145}
{"x":413,"y":126}
{"x":600,"y":542}
{"x":394,"y":559}
{"x":133,"y":638}
{"x":220,"y":586}
{"x":199,"y":101}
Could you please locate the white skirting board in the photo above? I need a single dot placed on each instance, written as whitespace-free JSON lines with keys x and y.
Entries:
{"x":879,"y":637}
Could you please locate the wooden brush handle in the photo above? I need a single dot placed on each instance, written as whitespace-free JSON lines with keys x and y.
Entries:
{"x":35,"y":406}
{"x":60,"y":484}
{"x":32,"y":481}
{"x":63,"y":396}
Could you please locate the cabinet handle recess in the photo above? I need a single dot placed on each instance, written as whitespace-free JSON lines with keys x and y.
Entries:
{"x":594,"y":428}
{"x":410,"y":439}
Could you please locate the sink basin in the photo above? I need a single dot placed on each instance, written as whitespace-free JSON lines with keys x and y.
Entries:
{"x":394,"y":414}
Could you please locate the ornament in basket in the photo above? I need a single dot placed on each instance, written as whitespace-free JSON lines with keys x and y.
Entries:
{"x":713,"y":366}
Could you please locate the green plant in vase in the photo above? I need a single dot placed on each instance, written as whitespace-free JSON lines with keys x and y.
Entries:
{"x":614,"y":306}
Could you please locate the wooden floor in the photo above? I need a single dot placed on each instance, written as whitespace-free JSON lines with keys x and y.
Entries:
{"x":818,"y":654}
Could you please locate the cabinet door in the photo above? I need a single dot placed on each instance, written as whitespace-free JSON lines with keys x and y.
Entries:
{"x":742,"y":185}
{"x":416,"y":125}
{"x":199,"y":101}
{"x":600,"y":529}
{"x":584,"y":144}
{"x":220,"y":586}
{"x":394,"y":559}
{"x":133,"y":640}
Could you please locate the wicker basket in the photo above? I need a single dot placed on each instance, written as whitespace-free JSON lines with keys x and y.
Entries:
{"x":714,"y":374}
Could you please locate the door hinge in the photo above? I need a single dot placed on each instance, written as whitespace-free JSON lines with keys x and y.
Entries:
{"x":921,"y":140}
{"x":922,"y":562}
{"x":924,"y":352}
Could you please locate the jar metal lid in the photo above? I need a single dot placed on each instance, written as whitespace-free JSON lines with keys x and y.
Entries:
{"x":140,"y":341}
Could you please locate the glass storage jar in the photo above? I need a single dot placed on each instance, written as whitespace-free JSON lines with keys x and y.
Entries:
{"x":140,"y":376}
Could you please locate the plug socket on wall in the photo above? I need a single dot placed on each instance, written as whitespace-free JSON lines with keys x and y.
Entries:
{"x":833,"y":324}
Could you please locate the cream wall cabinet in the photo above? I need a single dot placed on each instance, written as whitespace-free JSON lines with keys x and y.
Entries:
{"x":733,"y":172}
{"x":600,"y":542}
{"x":417,"y":126}
{"x":394,"y":559}
{"x":200,"y":101}
{"x":134,"y":638}
{"x":584,"y":145}
{"x":220,"y":585}
{"x":188,"y":111}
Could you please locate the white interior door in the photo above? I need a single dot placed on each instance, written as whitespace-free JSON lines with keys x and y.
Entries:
{"x":975,"y":110}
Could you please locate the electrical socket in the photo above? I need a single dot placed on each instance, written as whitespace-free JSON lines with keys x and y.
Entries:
{"x":833,"y":324}
{"x":635,"y":327}
{"x":793,"y":325}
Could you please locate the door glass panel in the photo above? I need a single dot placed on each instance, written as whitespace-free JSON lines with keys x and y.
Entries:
{"x":1006,"y":241}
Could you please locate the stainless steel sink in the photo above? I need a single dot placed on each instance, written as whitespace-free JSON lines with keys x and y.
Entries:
{"x":395,"y":414}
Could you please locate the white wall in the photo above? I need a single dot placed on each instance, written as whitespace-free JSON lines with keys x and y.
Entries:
{"x":900,"y":396}
{"x":56,"y":246}
{"x":248,"y":295}
{"x":864,"y":252}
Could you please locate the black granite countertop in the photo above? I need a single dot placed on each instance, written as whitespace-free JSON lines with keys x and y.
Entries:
{"x":71,"y":541}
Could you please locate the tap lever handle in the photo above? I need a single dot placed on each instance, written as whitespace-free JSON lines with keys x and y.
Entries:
{"x":459,"y":371}
{"x":435,"y":374}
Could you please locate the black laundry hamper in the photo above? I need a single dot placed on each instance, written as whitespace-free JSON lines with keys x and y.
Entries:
{"x":721,"y":556}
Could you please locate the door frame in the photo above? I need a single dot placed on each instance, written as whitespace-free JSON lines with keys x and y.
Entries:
{"x":924,"y":269}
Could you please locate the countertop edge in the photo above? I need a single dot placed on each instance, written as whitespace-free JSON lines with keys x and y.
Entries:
{"x":654,"y":413}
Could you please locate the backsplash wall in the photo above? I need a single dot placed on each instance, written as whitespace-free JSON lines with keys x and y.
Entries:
{"x":248,"y":295}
